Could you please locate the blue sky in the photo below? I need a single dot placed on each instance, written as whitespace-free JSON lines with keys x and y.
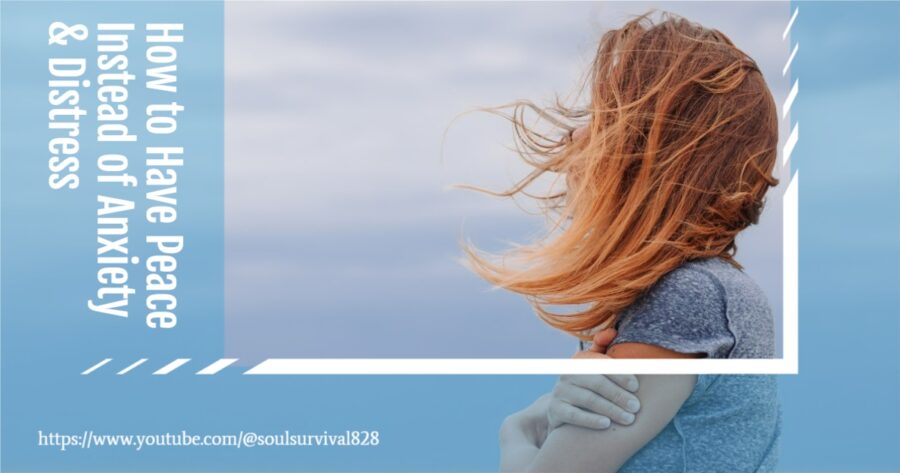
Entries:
{"x":341,"y":238}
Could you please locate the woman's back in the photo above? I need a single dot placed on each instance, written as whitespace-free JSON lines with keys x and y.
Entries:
{"x":729,"y":423}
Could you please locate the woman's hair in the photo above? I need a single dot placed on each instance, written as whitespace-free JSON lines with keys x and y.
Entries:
{"x":674,"y":160}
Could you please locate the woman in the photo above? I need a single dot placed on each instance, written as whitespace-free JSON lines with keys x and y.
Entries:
{"x":673,"y":163}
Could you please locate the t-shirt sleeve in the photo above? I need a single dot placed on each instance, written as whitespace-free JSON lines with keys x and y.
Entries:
{"x":685,"y":311}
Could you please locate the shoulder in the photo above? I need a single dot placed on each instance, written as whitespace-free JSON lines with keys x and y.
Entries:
{"x":698,"y":280}
{"x":711,"y":281}
{"x":749,"y":314}
{"x":685,"y":311}
{"x":733,"y":281}
{"x":691,"y":292}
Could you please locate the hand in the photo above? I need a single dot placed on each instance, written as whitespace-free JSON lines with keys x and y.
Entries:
{"x":601,"y":342}
{"x":594,"y":401}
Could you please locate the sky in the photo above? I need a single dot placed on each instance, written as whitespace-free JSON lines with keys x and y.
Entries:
{"x":345,"y":127}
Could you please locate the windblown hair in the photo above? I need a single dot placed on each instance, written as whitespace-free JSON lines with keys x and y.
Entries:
{"x":674,"y":159}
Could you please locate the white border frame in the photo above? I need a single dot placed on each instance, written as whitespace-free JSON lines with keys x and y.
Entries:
{"x":788,"y":364}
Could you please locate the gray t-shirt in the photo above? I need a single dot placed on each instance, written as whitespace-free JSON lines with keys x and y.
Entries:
{"x":730,"y":423}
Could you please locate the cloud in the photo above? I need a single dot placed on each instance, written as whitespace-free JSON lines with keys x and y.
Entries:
{"x":335,"y":115}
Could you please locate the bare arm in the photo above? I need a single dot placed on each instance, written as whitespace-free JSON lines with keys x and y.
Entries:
{"x":591,"y":401}
{"x":576,"y":449}
{"x":522,"y":434}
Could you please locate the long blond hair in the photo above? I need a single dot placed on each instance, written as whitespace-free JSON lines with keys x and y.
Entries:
{"x":673,"y":162}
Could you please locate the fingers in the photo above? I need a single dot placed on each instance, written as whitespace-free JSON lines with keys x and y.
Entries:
{"x":587,"y":400}
{"x":605,"y":336}
{"x":625,"y":381}
{"x":603,"y":339}
{"x":610,"y":391}
{"x":560,"y":413}
{"x":590,"y":401}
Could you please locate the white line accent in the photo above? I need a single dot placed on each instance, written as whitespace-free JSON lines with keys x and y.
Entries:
{"x":790,"y":99}
{"x":98,"y":365}
{"x":132,"y":366}
{"x":787,"y":30}
{"x":790,"y":333}
{"x":787,"y":65}
{"x":790,"y":276}
{"x":217,"y":366}
{"x":790,"y":144}
{"x":493,"y":366}
{"x":171,"y":366}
